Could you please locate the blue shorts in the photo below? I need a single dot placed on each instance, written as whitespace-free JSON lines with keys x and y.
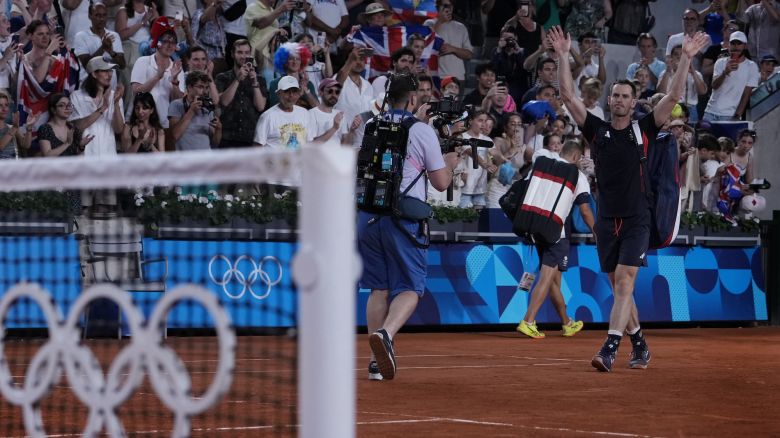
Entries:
{"x":623,"y":241}
{"x":555,"y":255}
{"x":390,"y":260}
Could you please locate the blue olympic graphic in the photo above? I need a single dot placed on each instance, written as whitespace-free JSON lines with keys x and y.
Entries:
{"x":245,"y":280}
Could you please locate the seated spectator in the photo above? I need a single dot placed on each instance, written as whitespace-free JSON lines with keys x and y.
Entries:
{"x":11,"y":138}
{"x":767,"y":68}
{"x":546,"y":75}
{"x":588,"y":16}
{"x":641,"y":79}
{"x":289,"y":60}
{"x":242,"y":98}
{"x":450,"y":87}
{"x":457,"y":46}
{"x":285,"y":125}
{"x":144,"y":133}
{"x":195,"y":58}
{"x":647,"y":45}
{"x":58,"y":137}
{"x":710,"y":179}
{"x":193,"y":125}
{"x":424,"y":90}
{"x":694,"y":85}
{"x":592,"y":89}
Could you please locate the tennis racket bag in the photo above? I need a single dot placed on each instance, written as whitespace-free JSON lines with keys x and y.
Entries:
{"x":539,"y":204}
{"x":661,"y":184}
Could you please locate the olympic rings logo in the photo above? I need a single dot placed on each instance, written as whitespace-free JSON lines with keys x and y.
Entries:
{"x":246,"y":280}
{"x":102,"y":393}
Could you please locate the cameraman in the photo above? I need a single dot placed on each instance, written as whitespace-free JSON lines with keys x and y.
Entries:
{"x":193,"y":124}
{"x":508,"y":62}
{"x":394,"y":267}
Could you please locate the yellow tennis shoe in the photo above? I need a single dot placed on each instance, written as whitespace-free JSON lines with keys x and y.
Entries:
{"x":572,"y":328}
{"x":529,"y":330}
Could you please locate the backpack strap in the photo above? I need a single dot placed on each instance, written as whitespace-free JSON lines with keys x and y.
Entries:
{"x":407,"y":124}
{"x":636,"y":137}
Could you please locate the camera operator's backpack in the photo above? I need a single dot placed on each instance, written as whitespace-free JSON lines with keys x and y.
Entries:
{"x":539,"y":204}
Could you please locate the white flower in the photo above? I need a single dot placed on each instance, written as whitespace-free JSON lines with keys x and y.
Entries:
{"x":209,"y":205}
{"x":229,"y":205}
{"x":252,"y":204}
{"x":203,"y":200}
{"x":299,"y":204}
{"x":240,"y":190}
{"x":139,"y":202}
{"x":228,"y":198}
{"x":177,"y":190}
{"x":243,"y":202}
{"x":213,"y":192}
{"x":183,"y":198}
{"x":164,"y":204}
{"x":278,"y":196}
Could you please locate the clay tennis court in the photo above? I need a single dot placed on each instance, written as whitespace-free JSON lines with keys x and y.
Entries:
{"x":701,"y":382}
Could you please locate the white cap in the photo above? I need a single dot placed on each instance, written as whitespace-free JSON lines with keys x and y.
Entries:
{"x":738,"y":36}
{"x":286,"y":83}
{"x":98,"y":63}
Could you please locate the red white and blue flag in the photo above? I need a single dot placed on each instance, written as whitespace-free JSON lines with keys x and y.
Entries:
{"x":413,"y":11}
{"x":386,"y":40}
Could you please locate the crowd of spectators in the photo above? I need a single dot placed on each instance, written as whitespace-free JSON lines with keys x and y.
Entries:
{"x":103,"y":77}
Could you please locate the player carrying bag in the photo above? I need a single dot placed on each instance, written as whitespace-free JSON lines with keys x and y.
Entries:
{"x":539,"y":204}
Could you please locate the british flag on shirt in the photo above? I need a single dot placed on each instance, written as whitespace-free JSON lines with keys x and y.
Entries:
{"x":386,"y":40}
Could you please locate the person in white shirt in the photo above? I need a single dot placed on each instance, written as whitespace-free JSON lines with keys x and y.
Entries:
{"x":99,"y":41}
{"x":694,"y":85}
{"x":331,"y":129}
{"x":159,"y":74}
{"x":403,"y":62}
{"x":329,"y":16}
{"x":690,"y":27}
{"x":473,"y":193}
{"x":457,"y":47}
{"x":97,"y":109}
{"x":285,"y":125}
{"x":9,"y":51}
{"x":76,"y":15}
{"x":734,"y":78}
{"x":357,"y":93}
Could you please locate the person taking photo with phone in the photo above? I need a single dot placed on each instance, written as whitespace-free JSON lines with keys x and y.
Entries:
{"x":242,"y":97}
{"x":734,"y":78}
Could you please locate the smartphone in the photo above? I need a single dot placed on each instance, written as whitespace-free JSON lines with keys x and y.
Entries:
{"x":320,"y":39}
{"x":15,"y":39}
{"x":366,"y":53}
{"x":524,"y":9}
{"x":59,"y":30}
{"x":501,"y":81}
{"x":179,"y":16}
{"x":250,"y":60}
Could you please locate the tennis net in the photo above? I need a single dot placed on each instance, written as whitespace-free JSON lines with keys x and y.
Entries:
{"x":178,"y":294}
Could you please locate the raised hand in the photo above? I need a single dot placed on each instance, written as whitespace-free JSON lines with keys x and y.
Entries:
{"x":86,"y":139}
{"x":337,"y":120}
{"x":692,"y":45}
{"x":119,"y":93}
{"x":560,"y":41}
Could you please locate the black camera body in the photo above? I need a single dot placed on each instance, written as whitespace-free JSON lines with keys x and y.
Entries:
{"x":447,"y":108}
{"x":207,"y":103}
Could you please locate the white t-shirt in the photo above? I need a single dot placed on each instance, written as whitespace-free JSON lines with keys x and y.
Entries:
{"x":545,"y":153}
{"x":457,"y":35}
{"x":144,"y":69}
{"x":690,"y":96}
{"x":237,"y":26}
{"x":323,"y":121}
{"x":171,"y":7}
{"x":379,"y":85}
{"x":104,"y":143}
{"x":725,"y":100}
{"x":86,"y":43}
{"x":76,"y":20}
{"x":142,"y":34}
{"x":316,"y":73}
{"x":353,"y":99}
{"x":329,"y":12}
{"x":281,"y":129}
{"x":9,"y":68}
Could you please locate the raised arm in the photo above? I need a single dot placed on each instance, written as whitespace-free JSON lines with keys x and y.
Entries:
{"x":691,"y":46}
{"x":562,"y":44}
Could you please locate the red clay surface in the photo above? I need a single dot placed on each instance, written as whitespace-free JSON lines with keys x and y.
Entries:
{"x":700,"y":383}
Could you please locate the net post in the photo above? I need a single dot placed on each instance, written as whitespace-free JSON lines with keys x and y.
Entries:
{"x":325,"y":271}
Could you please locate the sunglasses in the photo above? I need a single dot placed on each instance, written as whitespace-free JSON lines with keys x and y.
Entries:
{"x":332,"y":91}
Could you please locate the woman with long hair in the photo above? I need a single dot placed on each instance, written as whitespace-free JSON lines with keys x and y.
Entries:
{"x":144,"y":132}
{"x":58,"y":137}
{"x":507,"y":155}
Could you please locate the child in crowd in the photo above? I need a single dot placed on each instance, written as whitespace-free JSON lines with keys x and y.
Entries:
{"x":473,"y":193}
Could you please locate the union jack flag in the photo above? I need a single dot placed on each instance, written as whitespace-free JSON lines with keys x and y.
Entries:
{"x":62,"y":77}
{"x":413,"y":11}
{"x":386,"y":40}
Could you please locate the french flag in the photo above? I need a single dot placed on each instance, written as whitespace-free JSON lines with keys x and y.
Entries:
{"x":386,"y":40}
{"x":413,"y":11}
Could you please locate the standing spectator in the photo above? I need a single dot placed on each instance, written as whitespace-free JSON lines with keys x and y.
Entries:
{"x":588,"y":16}
{"x":629,"y":18}
{"x":734,"y":78}
{"x":767,"y":68}
{"x":763,"y":21}
{"x":320,"y":65}
{"x":694,"y":85}
{"x":208,"y":32}
{"x":356,"y":92}
{"x":132,"y":25}
{"x":402,"y":61}
{"x":97,"y":109}
{"x":528,"y":33}
{"x":76,"y":15}
{"x":486,"y":78}
{"x":195,"y":58}
{"x":330,"y":17}
{"x":496,"y":103}
{"x":592,"y":90}
{"x":58,"y":137}
{"x":331,"y":128}
{"x":496,"y":11}
{"x":285,"y":125}
{"x":457,"y":47}
{"x":548,"y":12}
{"x":234,"y":26}
{"x":375,"y":15}
{"x":690,"y":26}
{"x":289,"y":60}
{"x":450,"y":87}
{"x":507,"y":155}
{"x":11,"y":138}
{"x":475,"y":190}
{"x":592,"y":55}
{"x":159,"y":74}
{"x":642,"y":80}
{"x":508,"y":61}
{"x":99,"y":41}
{"x":416,"y":43}
{"x":647,"y":45}
{"x":242,"y":98}
{"x":144,"y":133}
{"x":10,"y":54}
{"x":194,"y":126}
{"x":173,"y":7}
{"x":262,"y":25}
